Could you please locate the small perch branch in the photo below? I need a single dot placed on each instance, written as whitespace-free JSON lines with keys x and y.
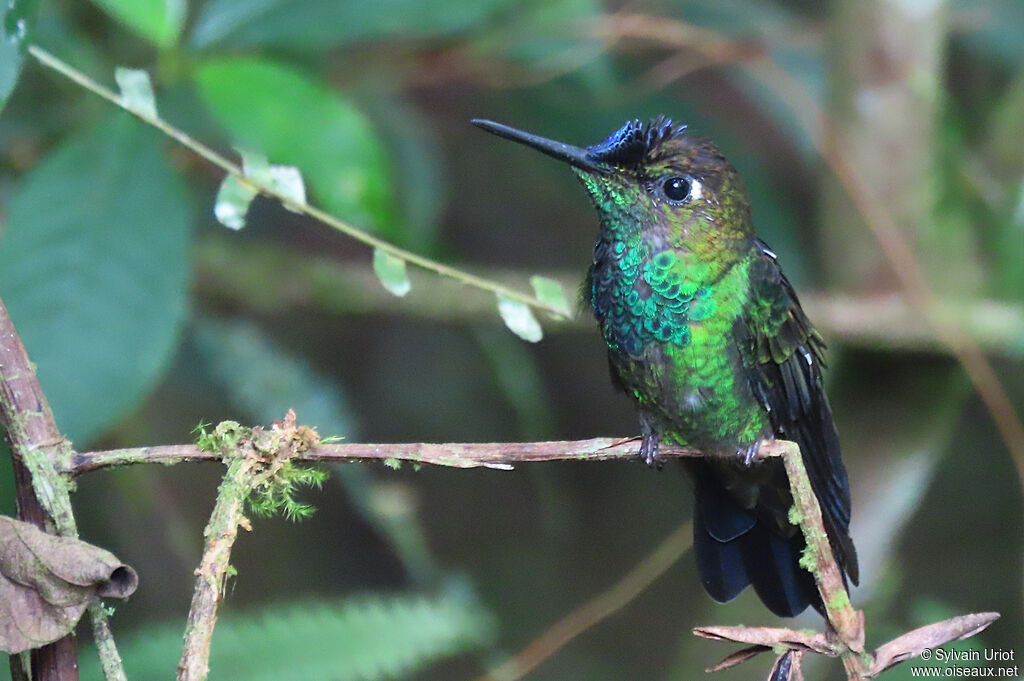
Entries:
{"x":845,"y":637}
{"x":499,"y":455}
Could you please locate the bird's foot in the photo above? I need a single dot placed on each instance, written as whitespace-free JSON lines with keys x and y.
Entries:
{"x":749,"y":453}
{"x":649,"y":451}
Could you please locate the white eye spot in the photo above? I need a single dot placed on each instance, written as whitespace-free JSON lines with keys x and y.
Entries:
{"x":696,"y":190}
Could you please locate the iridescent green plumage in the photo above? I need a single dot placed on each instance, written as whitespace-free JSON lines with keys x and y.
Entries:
{"x":707,"y":335}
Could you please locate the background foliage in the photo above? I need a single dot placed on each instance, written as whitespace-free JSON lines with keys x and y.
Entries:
{"x":146,"y":317}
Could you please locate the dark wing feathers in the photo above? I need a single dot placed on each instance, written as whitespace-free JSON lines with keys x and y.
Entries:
{"x":784,"y":360}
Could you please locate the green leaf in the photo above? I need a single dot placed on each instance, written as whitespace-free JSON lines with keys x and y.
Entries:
{"x":159,"y":21}
{"x":232,"y":204}
{"x":391,"y":272}
{"x":519,"y":319}
{"x":94,"y":270}
{"x":256,"y":166}
{"x":549,"y":292}
{"x":294,"y":119}
{"x":234,"y":195}
{"x":360,"y":639}
{"x":136,"y":91}
{"x":318,"y":24}
{"x":288,"y":181}
{"x":15,"y":32}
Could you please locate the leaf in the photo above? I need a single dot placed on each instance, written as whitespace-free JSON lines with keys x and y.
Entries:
{"x":16,"y":23}
{"x":46,"y":581}
{"x":94,"y":270}
{"x":737,"y":658}
{"x":314,"y":25}
{"x":359,"y":639}
{"x":519,"y":319}
{"x":770,"y":637}
{"x":159,"y":21}
{"x":256,"y":166}
{"x":233,"y":199}
{"x":234,"y":196}
{"x":550,"y":292}
{"x":913,"y":643}
{"x":293,"y":119}
{"x":391,"y":272}
{"x":136,"y":91}
{"x":288,"y":181}
{"x":787,"y":667}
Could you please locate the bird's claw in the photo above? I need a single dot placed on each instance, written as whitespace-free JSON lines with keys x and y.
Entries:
{"x":649,"y":451}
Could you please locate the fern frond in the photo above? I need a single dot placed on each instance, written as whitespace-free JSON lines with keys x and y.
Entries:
{"x":370,"y":638}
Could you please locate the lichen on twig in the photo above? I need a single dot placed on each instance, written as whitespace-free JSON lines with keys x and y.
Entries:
{"x":40,"y":455}
{"x":844,"y":637}
{"x":261,"y":477}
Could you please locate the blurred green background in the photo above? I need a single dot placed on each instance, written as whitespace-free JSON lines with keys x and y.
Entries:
{"x":146,"y":317}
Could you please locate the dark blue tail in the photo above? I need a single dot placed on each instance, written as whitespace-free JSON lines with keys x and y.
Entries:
{"x":736,"y":547}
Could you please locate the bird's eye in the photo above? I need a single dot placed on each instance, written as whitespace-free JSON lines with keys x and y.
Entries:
{"x":676,"y":188}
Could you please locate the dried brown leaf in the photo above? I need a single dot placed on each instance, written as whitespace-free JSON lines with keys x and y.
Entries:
{"x":911,"y":644}
{"x":787,"y":667}
{"x":770,"y":637}
{"x":737,"y":658}
{"x":46,"y":581}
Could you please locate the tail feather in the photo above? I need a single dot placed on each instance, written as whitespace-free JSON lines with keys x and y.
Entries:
{"x":720,"y":563}
{"x":773,"y":564}
{"x":737,"y":547}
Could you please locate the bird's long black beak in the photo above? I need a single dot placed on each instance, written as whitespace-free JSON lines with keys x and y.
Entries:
{"x":576,"y":156}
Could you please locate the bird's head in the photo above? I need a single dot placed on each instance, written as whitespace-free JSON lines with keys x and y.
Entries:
{"x":653,"y":180}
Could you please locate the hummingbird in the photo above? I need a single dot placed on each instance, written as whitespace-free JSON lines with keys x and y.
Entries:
{"x":707,"y":336}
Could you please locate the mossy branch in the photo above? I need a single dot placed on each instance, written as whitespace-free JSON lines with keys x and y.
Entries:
{"x":260,"y":477}
{"x":844,"y":637}
{"x":39,"y":456}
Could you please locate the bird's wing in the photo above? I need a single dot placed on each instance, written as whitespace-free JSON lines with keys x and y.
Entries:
{"x":782,"y":356}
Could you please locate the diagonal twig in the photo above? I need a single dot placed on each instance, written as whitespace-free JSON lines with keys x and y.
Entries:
{"x":38,"y":450}
{"x":233,"y":169}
